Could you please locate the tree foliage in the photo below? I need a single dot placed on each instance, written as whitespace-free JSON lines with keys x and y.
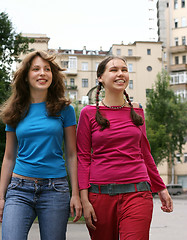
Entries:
{"x":12,"y":44}
{"x":166,"y":120}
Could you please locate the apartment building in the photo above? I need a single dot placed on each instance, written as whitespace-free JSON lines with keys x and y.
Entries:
{"x":172,"y":31}
{"x":144,"y":60}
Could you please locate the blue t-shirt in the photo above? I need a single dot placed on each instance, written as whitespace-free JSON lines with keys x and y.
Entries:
{"x":40,"y":139}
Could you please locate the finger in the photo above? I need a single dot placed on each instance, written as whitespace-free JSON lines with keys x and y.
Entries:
{"x":94,"y":216}
{"x":91,"y":225}
{"x":72,"y":211}
{"x":78,"y":215}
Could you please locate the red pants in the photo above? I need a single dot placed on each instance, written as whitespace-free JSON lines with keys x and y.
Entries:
{"x":127,"y":216}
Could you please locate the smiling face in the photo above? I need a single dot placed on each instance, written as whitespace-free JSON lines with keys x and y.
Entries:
{"x":39,"y":75}
{"x":115,"y":76}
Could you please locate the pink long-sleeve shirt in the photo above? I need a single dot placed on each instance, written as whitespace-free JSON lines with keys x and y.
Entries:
{"x":119,"y":154}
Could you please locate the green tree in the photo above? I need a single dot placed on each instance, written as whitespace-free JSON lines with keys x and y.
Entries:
{"x":166,"y":120}
{"x":11,"y":45}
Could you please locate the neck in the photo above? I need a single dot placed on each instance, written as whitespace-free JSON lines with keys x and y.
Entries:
{"x":38,"y":98}
{"x":114,"y":100}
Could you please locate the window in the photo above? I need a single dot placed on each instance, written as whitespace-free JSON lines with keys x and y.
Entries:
{"x":96,"y":81}
{"x":183,"y":22}
{"x":96,"y":65}
{"x":64,"y":64}
{"x":84,"y":82}
{"x":118,"y":52}
{"x":176,"y":23}
{"x":131,"y":99}
{"x":129,"y":52}
{"x":148,"y":51}
{"x":130,"y":84}
{"x":178,"y":157}
{"x":149,"y":68}
{"x":184,"y":59}
{"x":183,"y":3}
{"x":85,"y":66}
{"x":65,"y":82}
{"x":72,"y":81}
{"x":185,"y":157}
{"x":130,"y":67}
{"x":176,"y":41}
{"x":176,"y":60}
{"x":148,"y":90}
{"x":175,"y":4}
{"x":184,"y":40}
{"x":72,"y":63}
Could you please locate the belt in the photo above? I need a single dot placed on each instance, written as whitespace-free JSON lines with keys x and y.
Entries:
{"x":114,"y":189}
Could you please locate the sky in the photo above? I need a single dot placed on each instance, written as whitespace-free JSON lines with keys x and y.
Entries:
{"x":72,"y":24}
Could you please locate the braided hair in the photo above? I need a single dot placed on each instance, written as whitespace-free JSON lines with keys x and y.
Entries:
{"x":103,"y":122}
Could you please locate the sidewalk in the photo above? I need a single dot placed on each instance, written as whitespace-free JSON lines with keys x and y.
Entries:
{"x":164,"y":226}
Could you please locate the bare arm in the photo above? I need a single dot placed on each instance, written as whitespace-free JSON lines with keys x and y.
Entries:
{"x":71,"y":159}
{"x":7,"y":167}
{"x":88,"y":209}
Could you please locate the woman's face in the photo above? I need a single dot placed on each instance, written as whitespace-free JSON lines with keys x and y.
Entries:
{"x":39,"y":75}
{"x":115,"y":76}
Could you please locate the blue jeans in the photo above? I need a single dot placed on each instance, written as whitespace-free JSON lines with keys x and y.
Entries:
{"x":25,"y":199}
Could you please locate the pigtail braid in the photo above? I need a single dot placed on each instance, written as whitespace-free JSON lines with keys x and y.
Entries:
{"x":136,"y":118}
{"x":103,"y":122}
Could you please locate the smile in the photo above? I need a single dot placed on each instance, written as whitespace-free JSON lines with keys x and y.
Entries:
{"x":120,"y":81}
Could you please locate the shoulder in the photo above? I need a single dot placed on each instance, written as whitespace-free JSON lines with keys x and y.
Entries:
{"x":136,"y":105}
{"x":88,"y":111}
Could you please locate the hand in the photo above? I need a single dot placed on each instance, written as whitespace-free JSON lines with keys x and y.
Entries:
{"x":2,"y":203}
{"x":165,"y":198}
{"x":75,"y":203}
{"x":89,"y":215}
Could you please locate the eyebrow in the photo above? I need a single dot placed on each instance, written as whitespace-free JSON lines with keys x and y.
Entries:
{"x":39,"y":65}
{"x":124,"y":67}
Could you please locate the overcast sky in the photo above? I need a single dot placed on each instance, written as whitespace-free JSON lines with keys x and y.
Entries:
{"x":77,"y":23}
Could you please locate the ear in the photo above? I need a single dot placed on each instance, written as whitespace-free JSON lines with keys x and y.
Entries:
{"x":100,"y":79}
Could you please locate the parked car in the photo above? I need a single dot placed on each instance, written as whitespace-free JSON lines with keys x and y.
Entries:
{"x":175,"y":189}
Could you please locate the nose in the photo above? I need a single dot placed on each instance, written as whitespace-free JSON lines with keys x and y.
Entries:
{"x":42,"y":71}
{"x":120,"y":72}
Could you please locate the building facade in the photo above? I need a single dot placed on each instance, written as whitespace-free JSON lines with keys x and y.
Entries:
{"x":172,"y":31}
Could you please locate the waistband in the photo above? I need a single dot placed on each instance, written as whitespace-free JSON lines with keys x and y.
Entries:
{"x":114,"y":189}
{"x":38,"y":181}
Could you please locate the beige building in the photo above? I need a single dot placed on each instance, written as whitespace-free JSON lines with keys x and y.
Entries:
{"x":144,"y":60}
{"x":172,"y":30}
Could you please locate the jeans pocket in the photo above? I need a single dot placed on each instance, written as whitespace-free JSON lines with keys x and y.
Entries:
{"x":12,"y":185}
{"x":93,"y":197}
{"x":61,"y":186}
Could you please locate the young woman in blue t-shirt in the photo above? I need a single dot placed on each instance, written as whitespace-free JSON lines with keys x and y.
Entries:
{"x":33,"y":183}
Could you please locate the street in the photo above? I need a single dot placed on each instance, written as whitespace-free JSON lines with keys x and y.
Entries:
{"x":165,"y":226}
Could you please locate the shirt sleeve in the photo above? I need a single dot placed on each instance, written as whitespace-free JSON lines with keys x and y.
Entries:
{"x":8,"y":128}
{"x":84,"y":149}
{"x":68,"y":115}
{"x":157,"y":183}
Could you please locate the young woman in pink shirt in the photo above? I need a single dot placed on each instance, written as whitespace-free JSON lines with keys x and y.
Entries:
{"x":116,"y":171}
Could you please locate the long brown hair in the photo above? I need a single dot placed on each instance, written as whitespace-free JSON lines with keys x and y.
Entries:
{"x":17,"y":106}
{"x":103,"y":122}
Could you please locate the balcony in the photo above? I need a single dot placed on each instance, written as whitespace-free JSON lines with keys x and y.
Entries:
{"x":71,"y":71}
{"x":71,"y":87}
{"x":178,"y":49}
{"x":178,"y":67}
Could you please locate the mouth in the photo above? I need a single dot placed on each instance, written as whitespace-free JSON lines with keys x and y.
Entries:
{"x":42,"y":81}
{"x":120,"y":81}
